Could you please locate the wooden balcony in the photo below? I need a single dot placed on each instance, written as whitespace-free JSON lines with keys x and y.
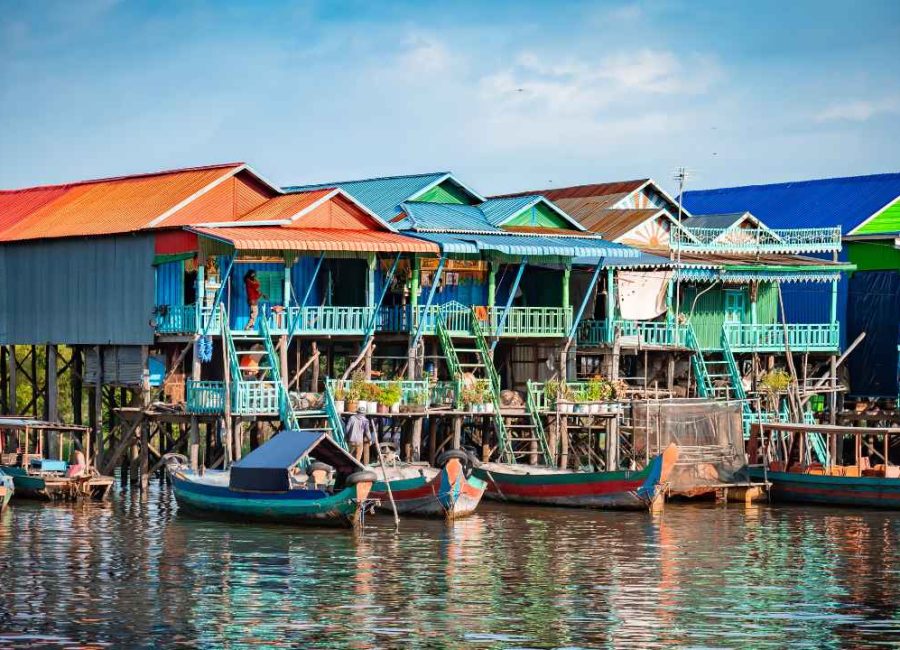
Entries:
{"x":646,"y":333}
{"x":183,"y":320}
{"x":800,"y":337}
{"x":205,"y":397}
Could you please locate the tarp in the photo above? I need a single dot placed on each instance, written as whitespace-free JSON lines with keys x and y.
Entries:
{"x":266,"y":469}
{"x":642,"y":294}
{"x":873,"y":307}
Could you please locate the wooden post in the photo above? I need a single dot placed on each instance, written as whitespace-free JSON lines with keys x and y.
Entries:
{"x":34,"y":382}
{"x":283,"y":359}
{"x":52,"y":381}
{"x":226,"y":438}
{"x":492,"y":285}
{"x":97,"y":404}
{"x":457,"y":431}
{"x":77,"y":385}
{"x":314,"y":381}
{"x":416,"y":440}
{"x":432,"y":440}
{"x":13,"y":381}
{"x":564,"y":442}
{"x":146,"y":398}
{"x":194,"y":435}
{"x":4,"y":373}
{"x":238,"y":439}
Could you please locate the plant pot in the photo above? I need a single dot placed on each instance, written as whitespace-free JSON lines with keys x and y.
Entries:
{"x":395,"y":408}
{"x":581,"y":408}
{"x":352,"y":405}
{"x":487,"y":407}
{"x":595,"y":408}
{"x":339,"y":405}
{"x":373,"y":406}
{"x":383,"y":408}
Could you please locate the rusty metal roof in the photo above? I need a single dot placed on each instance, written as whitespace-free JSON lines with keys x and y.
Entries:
{"x":286,"y":206}
{"x":105,"y":206}
{"x":594,"y":190}
{"x":609,"y":222}
{"x":280,"y":238}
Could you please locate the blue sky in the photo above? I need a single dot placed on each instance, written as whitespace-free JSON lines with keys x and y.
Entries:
{"x":509,"y":95}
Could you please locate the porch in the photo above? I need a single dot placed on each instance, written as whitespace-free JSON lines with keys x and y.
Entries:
{"x":775,"y":337}
{"x":663,"y":334}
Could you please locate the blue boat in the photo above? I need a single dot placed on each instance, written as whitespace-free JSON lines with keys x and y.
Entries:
{"x":297,"y":477}
{"x":7,"y":488}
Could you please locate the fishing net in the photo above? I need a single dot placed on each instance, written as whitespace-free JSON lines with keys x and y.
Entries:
{"x":709,"y":435}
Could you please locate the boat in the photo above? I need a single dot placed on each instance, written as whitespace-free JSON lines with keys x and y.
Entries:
{"x":616,"y":489}
{"x":297,"y":477}
{"x":790,"y":459}
{"x":7,"y":488}
{"x":33,"y":452}
{"x":448,"y":491}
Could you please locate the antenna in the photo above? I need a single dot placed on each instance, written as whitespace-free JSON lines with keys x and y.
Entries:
{"x":680,"y":175}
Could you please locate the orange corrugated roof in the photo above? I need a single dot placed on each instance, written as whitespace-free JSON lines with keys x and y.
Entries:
{"x":317,"y":239}
{"x":102,"y":206}
{"x":285,"y":206}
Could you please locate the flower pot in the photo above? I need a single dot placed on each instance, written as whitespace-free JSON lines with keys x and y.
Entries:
{"x":595,"y":408}
{"x":487,"y":407}
{"x":581,"y":408}
{"x":373,"y":407}
{"x":339,"y":405}
{"x":604,"y":408}
{"x":395,"y":408}
{"x":352,"y":405}
{"x":383,"y":408}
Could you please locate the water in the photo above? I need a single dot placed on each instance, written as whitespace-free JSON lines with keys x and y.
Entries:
{"x":137,"y":573}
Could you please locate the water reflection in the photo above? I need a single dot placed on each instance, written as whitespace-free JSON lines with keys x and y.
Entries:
{"x":135,"y":572}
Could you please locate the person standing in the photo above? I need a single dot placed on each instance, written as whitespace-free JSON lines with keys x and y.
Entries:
{"x":358,"y":432}
{"x":251,"y":284}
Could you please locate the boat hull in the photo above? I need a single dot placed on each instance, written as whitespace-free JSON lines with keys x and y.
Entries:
{"x":617,"y":490}
{"x":28,"y":486}
{"x":861,"y":491}
{"x":298,"y":507}
{"x":448,"y":495}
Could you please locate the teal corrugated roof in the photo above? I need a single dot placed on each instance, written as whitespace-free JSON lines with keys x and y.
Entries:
{"x":443,"y":216}
{"x":498,"y":211}
{"x":383,"y":195}
{"x":520,"y":245}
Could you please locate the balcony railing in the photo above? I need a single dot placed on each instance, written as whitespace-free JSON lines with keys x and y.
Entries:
{"x":255,"y":398}
{"x":182,"y":319}
{"x":803,"y":337}
{"x":520,"y":321}
{"x":652,"y":333}
{"x":334,"y":320}
{"x":757,"y":240}
{"x":205,"y":397}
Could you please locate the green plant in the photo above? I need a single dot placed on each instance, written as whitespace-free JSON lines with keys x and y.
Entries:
{"x":390,"y":394}
{"x":420,"y":398}
{"x":369,"y":392}
{"x":552,"y":389}
{"x":472,"y":395}
{"x":773,"y":384}
{"x":357,"y":382}
{"x":340,"y":392}
{"x":619,"y":389}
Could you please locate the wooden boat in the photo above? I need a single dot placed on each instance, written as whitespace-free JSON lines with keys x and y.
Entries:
{"x":446,"y":491}
{"x":38,"y":475}
{"x":297,"y":477}
{"x":7,"y":487}
{"x":861,"y":482}
{"x":618,"y":489}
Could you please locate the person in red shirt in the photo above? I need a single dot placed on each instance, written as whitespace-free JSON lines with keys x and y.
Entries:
{"x":251,"y":284}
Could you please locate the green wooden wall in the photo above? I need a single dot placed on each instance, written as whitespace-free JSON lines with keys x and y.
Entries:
{"x":709,"y":314}
{"x":878,"y":255}
{"x":886,"y":222}
{"x":540,"y":215}
{"x":447,"y":192}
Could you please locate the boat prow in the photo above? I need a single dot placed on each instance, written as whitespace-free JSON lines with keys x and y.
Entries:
{"x":447,"y":492}
{"x":7,"y":488}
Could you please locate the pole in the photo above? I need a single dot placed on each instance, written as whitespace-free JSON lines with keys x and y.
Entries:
{"x":387,"y":484}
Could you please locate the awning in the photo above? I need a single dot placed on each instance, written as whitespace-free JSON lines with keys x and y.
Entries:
{"x":278,"y":238}
{"x":267,"y":468}
{"x":522,"y":245}
{"x":642,"y":261}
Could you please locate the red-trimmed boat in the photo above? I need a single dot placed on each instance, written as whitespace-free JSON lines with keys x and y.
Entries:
{"x":447,"y":491}
{"x":869,"y":481}
{"x":618,"y":489}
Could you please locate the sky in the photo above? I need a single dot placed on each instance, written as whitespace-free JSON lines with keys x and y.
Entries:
{"x":507,"y":95}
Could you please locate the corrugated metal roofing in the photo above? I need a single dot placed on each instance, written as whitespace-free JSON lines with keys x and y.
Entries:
{"x":526,"y":245}
{"x":715,"y":220}
{"x":285,"y":206}
{"x":594,"y":190}
{"x":609,"y":222}
{"x":278,"y":238}
{"x":15,"y":205}
{"x":642,"y":261}
{"x":499,"y":210}
{"x":109,"y":206}
{"x":485,"y":217}
{"x":845,"y":202}
{"x":382,"y":195}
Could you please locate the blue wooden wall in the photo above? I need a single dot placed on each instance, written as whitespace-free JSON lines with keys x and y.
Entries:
{"x":87,"y":291}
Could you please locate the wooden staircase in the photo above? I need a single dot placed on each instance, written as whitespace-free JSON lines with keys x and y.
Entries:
{"x":520,"y":434}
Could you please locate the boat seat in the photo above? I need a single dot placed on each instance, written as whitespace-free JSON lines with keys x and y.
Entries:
{"x":816,"y":469}
{"x":851,"y":470}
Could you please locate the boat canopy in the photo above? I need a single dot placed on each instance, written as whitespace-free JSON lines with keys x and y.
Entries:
{"x":267,"y":468}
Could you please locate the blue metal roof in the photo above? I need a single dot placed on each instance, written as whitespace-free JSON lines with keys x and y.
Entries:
{"x":845,"y":202}
{"x":383,"y":195}
{"x":498,"y":211}
{"x":520,"y":245}
{"x":443,"y":216}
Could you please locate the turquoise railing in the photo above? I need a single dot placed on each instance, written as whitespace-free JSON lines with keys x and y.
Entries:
{"x":520,"y":321}
{"x":335,"y":320}
{"x":698,"y":363}
{"x":802,"y":337}
{"x":256,"y":398}
{"x":334,"y":418}
{"x":503,"y":440}
{"x":285,"y":408}
{"x":657,"y":333}
{"x":734,"y":373}
{"x":757,"y":240}
{"x":534,"y":415}
{"x":205,"y":397}
{"x":176,"y":319}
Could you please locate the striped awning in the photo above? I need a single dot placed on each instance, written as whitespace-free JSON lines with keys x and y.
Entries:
{"x":277,"y":238}
{"x":526,"y":245}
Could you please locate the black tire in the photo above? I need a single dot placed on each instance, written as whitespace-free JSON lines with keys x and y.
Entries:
{"x":320,"y":466}
{"x":464,"y":459}
{"x":362,"y":477}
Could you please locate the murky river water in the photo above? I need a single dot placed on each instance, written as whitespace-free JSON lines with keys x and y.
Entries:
{"x":137,"y":573}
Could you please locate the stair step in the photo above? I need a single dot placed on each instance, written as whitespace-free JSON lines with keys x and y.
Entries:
{"x":520,"y":426}
{"x":246,"y":352}
{"x":472,"y":350}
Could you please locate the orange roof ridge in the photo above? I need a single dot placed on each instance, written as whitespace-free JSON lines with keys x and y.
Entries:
{"x":125,"y":177}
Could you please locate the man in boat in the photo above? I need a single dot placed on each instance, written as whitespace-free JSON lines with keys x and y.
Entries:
{"x":358,"y":432}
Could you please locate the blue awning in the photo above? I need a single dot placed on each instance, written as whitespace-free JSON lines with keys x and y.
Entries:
{"x":267,"y":468}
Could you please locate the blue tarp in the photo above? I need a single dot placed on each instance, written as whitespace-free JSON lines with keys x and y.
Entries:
{"x":266,"y":469}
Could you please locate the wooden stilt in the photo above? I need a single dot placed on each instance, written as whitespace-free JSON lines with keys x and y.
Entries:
{"x":13,"y":381}
{"x":416,"y":440}
{"x":314,"y":381}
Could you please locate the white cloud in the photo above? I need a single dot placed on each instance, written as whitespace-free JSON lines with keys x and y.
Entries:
{"x":425,"y":54}
{"x":860,"y":110}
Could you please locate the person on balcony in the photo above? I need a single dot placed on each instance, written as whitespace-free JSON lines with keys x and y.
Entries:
{"x":251,"y":284}
{"x":359,"y":434}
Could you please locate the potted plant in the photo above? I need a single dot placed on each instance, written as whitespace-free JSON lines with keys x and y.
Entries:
{"x":551,"y":392}
{"x":369,"y":395}
{"x":389,"y":398}
{"x":484,"y":387}
{"x":582,"y":396}
{"x":564,"y":398}
{"x":593,"y":392}
{"x":772,"y":385}
{"x":340,"y":396}
{"x":355,"y":391}
{"x":420,"y":400}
